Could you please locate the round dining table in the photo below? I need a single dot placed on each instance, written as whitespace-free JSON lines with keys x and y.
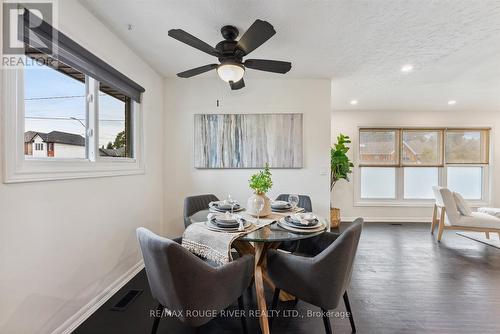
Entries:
{"x":256,"y":243}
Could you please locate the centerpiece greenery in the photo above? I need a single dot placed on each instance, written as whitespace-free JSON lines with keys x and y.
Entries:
{"x":261,"y":182}
{"x":340,"y":168}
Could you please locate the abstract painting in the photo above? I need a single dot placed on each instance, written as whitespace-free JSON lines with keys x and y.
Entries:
{"x":247,"y":140}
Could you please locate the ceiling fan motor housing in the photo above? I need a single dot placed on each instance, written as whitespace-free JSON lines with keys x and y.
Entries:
{"x":229,"y":32}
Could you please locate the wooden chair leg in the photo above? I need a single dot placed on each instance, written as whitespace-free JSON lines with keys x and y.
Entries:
{"x":487,"y":235}
{"x":348,"y":308}
{"x":434,"y":218}
{"x":274,"y":304}
{"x":157,"y":319}
{"x":326,"y":321}
{"x":241,"y":306}
{"x":441,"y":225}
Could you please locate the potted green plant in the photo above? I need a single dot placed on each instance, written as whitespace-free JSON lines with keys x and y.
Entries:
{"x":340,"y":168}
{"x":260,"y":182}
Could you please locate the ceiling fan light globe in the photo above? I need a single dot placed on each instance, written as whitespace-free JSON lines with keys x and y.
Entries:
{"x":230,"y":72}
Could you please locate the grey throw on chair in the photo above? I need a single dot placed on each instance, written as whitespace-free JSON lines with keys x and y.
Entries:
{"x":193,"y":204}
{"x":322,"y":276}
{"x":180,"y":281}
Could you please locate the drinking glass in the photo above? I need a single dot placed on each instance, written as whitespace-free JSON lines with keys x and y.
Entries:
{"x":257,"y":206}
{"x":293,"y":199}
{"x":231,"y":202}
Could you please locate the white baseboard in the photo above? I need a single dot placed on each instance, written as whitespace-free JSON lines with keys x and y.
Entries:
{"x":86,"y":311}
{"x":390,"y":219}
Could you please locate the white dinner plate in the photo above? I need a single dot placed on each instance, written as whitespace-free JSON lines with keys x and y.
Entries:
{"x":286,"y":226}
{"x":213,"y":227}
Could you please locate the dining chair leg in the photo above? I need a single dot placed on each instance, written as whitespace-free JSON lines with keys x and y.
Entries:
{"x":326,"y":321}
{"x":274,"y":305}
{"x":156,"y":322}
{"x":241,"y":306}
{"x":348,"y":308}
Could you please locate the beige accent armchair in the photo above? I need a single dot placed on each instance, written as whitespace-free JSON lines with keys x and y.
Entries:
{"x":451,"y":219}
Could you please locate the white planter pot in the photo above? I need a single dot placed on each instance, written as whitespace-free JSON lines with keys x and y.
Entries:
{"x":266,"y":211}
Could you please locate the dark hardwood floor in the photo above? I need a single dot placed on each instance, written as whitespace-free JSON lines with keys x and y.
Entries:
{"x":403,"y":282}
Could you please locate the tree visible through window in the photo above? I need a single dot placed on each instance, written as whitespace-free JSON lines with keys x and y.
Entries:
{"x":114,"y":123}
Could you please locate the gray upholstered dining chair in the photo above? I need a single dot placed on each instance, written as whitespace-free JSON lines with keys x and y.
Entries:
{"x":180,"y":281}
{"x":304,"y":201}
{"x":322,"y":275}
{"x":193,"y":204}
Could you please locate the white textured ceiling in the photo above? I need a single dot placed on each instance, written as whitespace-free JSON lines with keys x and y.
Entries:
{"x":454,"y":45}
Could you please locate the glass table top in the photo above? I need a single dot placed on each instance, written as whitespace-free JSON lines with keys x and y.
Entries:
{"x":269,"y":233}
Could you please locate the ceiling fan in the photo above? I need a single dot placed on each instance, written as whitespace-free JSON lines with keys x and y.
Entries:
{"x":231,"y":52}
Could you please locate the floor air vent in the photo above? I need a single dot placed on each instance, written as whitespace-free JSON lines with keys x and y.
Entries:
{"x":126,"y":300}
{"x":396,"y":224}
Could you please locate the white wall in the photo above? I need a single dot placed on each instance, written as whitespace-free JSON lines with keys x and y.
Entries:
{"x":68,"y":151}
{"x":63,"y":243}
{"x":347,"y":122}
{"x":186,"y":97}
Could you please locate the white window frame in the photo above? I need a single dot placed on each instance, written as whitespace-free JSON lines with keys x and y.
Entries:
{"x":17,"y":168}
{"x":400,"y":201}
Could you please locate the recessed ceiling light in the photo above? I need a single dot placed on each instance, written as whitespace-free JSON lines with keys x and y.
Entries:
{"x":452,"y":102}
{"x":406,"y":68}
{"x":354,"y":102}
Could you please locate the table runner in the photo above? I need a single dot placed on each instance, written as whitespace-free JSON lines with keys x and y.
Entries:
{"x":215,"y":245}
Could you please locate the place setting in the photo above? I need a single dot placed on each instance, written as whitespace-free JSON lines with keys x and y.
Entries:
{"x":301,"y":223}
{"x":227,"y":222}
{"x":281,"y":206}
{"x":227,"y":205}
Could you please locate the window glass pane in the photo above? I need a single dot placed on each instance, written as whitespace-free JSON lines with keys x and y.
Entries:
{"x":418,"y":182}
{"x":421,"y":147}
{"x":378,"y":182}
{"x":55,"y":114}
{"x":466,"y":180}
{"x":114,"y":112}
{"x":378,"y":147}
{"x":467,"y":146}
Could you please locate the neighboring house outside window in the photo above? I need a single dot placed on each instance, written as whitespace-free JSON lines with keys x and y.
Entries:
{"x":53,"y":144}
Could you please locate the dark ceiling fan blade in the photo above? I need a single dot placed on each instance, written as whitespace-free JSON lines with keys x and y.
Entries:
{"x":258,"y":33}
{"x":190,"y":40}
{"x":237,"y":85}
{"x":275,"y":66}
{"x":195,"y":71}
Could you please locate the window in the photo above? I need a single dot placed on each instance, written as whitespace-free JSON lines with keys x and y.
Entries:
{"x":418,"y":182}
{"x":378,"y":183}
{"x":114,"y":123}
{"x":467,"y":146}
{"x":420,"y":159}
{"x":422,"y":148}
{"x":378,"y":147}
{"x":55,"y":110}
{"x":468,"y":181}
{"x":66,"y":105}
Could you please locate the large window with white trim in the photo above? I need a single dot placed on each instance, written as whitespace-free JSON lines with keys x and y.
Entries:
{"x":69,"y":113}
{"x":401,"y":165}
